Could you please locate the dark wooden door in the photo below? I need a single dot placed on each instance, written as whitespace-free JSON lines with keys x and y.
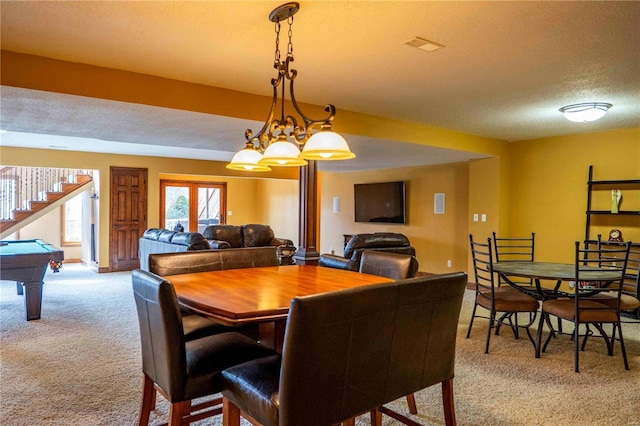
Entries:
{"x":128,"y":216}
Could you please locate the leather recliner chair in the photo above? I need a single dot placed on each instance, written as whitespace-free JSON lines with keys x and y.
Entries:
{"x":380,"y":241}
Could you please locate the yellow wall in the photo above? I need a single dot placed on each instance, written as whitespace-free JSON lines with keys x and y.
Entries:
{"x":437,"y":238}
{"x":243,"y":193}
{"x":538,"y":186}
{"x":549,"y":188}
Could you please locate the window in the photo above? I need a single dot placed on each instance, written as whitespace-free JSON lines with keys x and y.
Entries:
{"x":192,"y":206}
{"x":72,"y":221}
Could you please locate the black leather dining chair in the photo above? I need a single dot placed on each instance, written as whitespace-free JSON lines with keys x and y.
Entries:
{"x":395,"y":266}
{"x":352,"y":351}
{"x":181,"y":370}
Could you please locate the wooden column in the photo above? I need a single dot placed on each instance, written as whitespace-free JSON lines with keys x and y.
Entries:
{"x":307,"y":253}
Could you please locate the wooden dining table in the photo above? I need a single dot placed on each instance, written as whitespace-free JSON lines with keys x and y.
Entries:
{"x":262,"y":295}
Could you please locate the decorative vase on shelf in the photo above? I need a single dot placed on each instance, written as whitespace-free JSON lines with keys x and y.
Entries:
{"x":616,"y":195}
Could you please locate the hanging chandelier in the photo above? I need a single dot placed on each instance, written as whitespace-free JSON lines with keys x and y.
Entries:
{"x":280,"y":140}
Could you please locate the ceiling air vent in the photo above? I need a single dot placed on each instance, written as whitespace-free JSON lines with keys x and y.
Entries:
{"x":423,"y":44}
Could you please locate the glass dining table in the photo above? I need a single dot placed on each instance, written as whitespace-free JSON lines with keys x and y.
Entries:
{"x":558,"y":272}
{"x":551,"y":271}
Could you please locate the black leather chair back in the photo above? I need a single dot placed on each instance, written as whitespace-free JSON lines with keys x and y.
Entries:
{"x":161,"y":334}
{"x":206,"y":260}
{"x":350,"y":351}
{"x":390,"y":265}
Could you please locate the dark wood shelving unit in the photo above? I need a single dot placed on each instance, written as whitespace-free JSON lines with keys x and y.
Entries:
{"x":596,"y":185}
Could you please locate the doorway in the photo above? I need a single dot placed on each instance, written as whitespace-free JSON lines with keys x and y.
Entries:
{"x":128,"y":218}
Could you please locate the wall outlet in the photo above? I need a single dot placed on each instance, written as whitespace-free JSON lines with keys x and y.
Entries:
{"x":475,"y":217}
{"x":448,"y":264}
{"x":229,"y":213}
{"x":484,"y":217}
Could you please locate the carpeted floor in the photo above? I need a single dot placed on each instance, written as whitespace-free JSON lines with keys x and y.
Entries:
{"x":80,"y":364}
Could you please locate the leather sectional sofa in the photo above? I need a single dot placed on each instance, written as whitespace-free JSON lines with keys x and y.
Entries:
{"x":214,"y":237}
{"x":380,"y":241}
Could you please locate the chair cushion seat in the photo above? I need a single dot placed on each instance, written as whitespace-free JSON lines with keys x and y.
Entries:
{"x":208,"y":356}
{"x":508,"y":299}
{"x":254,"y":386}
{"x":627,"y":303}
{"x":197,"y":327}
{"x":590,"y":311}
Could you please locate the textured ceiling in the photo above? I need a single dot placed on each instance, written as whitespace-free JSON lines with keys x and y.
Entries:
{"x":505,"y":70}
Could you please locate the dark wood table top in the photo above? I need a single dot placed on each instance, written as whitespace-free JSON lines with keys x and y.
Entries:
{"x":253,"y":295}
{"x":554,"y":271}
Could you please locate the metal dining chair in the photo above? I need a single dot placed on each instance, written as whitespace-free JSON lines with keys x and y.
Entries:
{"x":585,"y":306}
{"x":497,"y":299}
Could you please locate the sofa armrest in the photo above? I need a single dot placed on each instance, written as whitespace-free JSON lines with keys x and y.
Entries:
{"x":218,"y":244}
{"x":281,"y":242}
{"x":337,"y":262}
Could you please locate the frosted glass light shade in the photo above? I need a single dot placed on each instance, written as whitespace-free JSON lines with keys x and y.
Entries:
{"x":283,"y":154}
{"x":583,"y":113}
{"x":248,"y":160}
{"x":326,"y":145}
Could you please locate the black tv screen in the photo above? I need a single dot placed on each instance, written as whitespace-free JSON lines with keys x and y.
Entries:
{"x":380,"y":202}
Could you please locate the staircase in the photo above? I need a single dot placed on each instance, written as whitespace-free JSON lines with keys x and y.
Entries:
{"x":28,"y":193}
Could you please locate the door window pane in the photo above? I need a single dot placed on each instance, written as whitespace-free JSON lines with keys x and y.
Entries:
{"x":192,"y":206}
{"x":208,"y":207}
{"x":176,"y":207}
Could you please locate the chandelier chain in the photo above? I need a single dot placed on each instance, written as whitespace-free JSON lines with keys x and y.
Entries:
{"x":277,"y":28}
{"x":290,"y":46}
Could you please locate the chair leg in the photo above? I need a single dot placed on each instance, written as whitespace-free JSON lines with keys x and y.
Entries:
{"x":473,"y":315}
{"x":178,"y":411}
{"x":411,"y":402}
{"x":448,"y":403}
{"x":492,"y":319}
{"x":230,"y":413}
{"x":376,"y":417}
{"x":148,"y":399}
{"x":622,"y":348}
{"x":539,"y":335}
{"x":577,"y":348}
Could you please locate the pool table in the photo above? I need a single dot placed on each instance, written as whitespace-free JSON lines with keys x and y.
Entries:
{"x":25,"y":261}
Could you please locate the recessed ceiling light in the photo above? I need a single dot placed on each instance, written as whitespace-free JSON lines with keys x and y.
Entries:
{"x":423,"y":44}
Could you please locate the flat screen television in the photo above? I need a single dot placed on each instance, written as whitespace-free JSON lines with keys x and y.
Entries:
{"x":380,"y":202}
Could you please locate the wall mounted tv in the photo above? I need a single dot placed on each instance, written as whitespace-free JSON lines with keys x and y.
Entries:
{"x":380,"y":202}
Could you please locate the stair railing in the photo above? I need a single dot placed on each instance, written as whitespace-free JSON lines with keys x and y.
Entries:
{"x":21,"y":185}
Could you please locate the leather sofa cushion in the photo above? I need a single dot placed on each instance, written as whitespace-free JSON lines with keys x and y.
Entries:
{"x":257,"y":235}
{"x":377,"y":240}
{"x":229,"y":233}
{"x":152,"y":233}
{"x":194,"y":240}
{"x":166,"y":236}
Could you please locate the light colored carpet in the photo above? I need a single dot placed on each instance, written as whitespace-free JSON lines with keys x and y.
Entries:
{"x":80,"y":364}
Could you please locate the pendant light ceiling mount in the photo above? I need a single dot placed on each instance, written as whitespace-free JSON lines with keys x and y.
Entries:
{"x":280,"y":139}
